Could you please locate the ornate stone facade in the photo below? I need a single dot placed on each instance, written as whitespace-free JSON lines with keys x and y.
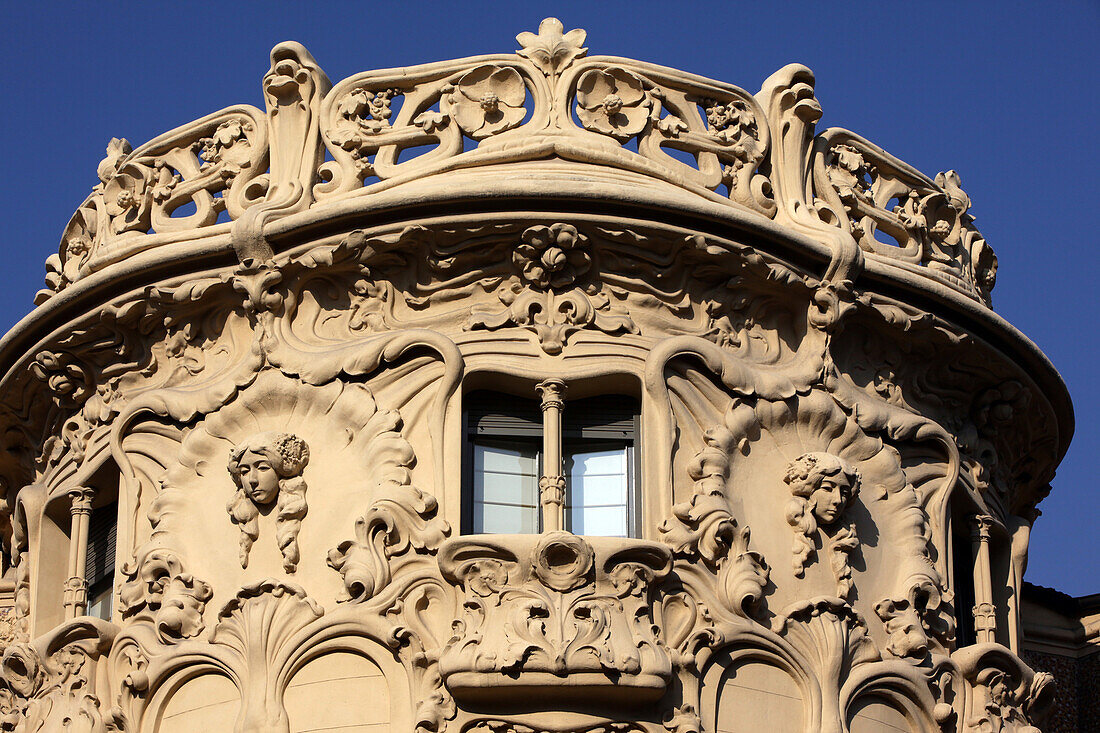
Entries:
{"x":258,"y":349}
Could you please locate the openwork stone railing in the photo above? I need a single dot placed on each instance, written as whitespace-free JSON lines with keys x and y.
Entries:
{"x":267,"y":334}
{"x":319,"y":146}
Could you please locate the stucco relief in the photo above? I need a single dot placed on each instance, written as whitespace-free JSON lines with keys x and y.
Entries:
{"x":823,"y":486}
{"x":555,"y":613}
{"x":267,"y":469}
{"x":283,"y":428}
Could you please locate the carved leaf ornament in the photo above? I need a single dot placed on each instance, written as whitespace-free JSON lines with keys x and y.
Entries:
{"x":219,"y":162}
{"x":263,"y":417}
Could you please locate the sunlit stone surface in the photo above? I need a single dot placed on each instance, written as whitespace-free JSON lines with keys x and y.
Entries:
{"x":538,"y":391}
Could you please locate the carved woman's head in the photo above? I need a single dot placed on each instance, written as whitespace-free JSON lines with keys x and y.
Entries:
{"x":826,"y":482}
{"x":823,"y":487}
{"x":266,"y":468}
{"x":260,"y":464}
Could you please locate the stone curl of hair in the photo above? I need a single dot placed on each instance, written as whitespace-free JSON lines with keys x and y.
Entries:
{"x":804,"y":476}
{"x":289,"y":456}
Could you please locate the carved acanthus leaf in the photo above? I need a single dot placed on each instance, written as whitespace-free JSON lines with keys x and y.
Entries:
{"x":914,"y":620}
{"x":557,"y":605}
{"x":157,"y":588}
{"x":401,"y":521}
{"x":50,"y":684}
{"x":407,"y":520}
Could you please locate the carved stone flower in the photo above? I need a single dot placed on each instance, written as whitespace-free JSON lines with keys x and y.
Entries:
{"x":371,"y":110}
{"x":731,"y":121}
{"x":613,"y":102}
{"x":562,"y":561}
{"x":552,"y":49}
{"x":228,"y":146}
{"x":125,"y":198}
{"x":850,"y":173}
{"x":488,"y":100}
{"x":77,"y":246}
{"x":552,"y":256}
{"x":485,"y":577}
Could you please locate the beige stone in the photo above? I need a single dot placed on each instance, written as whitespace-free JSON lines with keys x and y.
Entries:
{"x":827,"y":448}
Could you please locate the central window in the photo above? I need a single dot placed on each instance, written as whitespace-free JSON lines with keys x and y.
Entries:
{"x":536,"y":465}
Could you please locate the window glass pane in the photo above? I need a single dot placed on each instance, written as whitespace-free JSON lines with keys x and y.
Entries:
{"x":505,"y":488}
{"x":99,"y":601}
{"x":505,"y":519}
{"x":600,"y":521}
{"x":600,"y":488}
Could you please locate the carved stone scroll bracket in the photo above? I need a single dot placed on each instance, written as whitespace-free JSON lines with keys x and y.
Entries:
{"x":990,"y":688}
{"x":703,"y":529}
{"x":293,"y":90}
{"x":556,"y":613}
{"x":50,"y":684}
{"x":396,"y":529}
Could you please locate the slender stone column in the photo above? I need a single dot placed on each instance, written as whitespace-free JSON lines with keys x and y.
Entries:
{"x":985,"y":612}
{"x":76,"y":587}
{"x":552,"y":482}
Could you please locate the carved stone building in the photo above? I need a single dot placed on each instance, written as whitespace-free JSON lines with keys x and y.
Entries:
{"x":445,"y":398}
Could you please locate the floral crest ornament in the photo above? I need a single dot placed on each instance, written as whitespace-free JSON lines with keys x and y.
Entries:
{"x":552,"y":50}
{"x":552,"y":256}
{"x":547,"y":295}
{"x":613,"y":102}
{"x":488,"y":100}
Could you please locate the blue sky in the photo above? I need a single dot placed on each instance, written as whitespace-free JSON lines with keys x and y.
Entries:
{"x":1003,"y":92}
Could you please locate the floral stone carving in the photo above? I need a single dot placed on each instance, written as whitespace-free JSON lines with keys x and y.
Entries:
{"x":259,"y":342}
{"x":555,"y":612}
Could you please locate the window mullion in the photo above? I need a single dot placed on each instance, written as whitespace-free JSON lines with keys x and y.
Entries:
{"x":76,"y":586}
{"x":552,"y":481}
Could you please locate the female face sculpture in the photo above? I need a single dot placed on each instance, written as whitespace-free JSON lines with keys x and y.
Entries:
{"x":825,"y":482}
{"x":822,"y":486}
{"x":257,"y":475}
{"x":830,"y":498}
{"x":267,"y":468}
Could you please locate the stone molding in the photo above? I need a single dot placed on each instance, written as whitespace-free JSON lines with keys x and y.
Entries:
{"x":271,"y":388}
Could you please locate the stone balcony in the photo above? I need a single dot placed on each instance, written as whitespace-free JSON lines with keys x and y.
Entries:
{"x":555,"y":615}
